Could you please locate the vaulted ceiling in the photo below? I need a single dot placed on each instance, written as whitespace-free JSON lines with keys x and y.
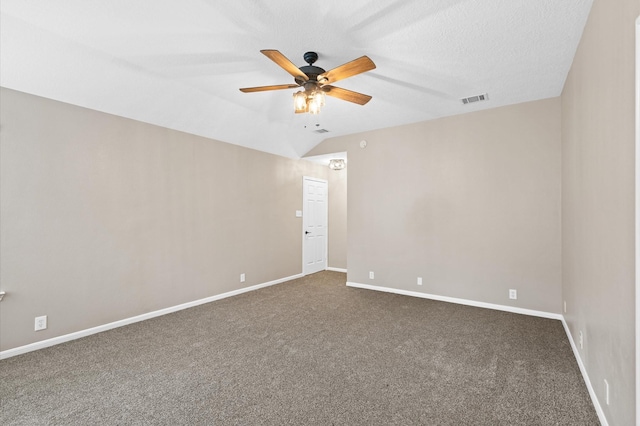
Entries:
{"x":179,"y":64}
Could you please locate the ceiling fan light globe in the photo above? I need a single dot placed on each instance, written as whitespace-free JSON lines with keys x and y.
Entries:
{"x":314,"y":107}
{"x":300,"y":101}
{"x":319,"y":97}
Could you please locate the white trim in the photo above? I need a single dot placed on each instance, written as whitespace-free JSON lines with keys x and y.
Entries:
{"x":83,"y":333}
{"x":585,"y":376}
{"x":467,"y":302}
{"x":329,"y":268}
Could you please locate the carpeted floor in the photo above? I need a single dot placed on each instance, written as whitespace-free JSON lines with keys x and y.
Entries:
{"x":307,"y":352}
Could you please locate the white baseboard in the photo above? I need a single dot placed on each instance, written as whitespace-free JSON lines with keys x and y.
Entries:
{"x":467,"y":302}
{"x":83,"y":333}
{"x":329,"y":268}
{"x":585,"y":376}
{"x":583,"y":370}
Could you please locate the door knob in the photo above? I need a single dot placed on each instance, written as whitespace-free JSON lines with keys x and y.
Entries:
{"x":306,"y":232}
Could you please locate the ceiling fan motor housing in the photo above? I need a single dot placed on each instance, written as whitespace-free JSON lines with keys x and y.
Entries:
{"x":310,"y":70}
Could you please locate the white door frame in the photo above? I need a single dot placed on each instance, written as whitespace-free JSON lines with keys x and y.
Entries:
{"x":304,"y":215}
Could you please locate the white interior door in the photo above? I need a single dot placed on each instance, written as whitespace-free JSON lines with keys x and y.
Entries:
{"x":314,"y":225}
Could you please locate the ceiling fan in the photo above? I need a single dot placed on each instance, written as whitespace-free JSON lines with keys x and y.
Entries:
{"x":316,"y":82}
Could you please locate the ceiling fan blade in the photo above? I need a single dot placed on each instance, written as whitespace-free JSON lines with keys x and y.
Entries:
{"x":265,"y":88}
{"x":355,"y":67}
{"x":285,"y":63}
{"x":346,"y":95}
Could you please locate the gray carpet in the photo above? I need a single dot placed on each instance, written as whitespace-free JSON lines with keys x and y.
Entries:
{"x":307,"y":352}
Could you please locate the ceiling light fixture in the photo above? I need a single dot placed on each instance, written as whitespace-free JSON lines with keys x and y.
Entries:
{"x":337,"y":164}
{"x":311,"y":100}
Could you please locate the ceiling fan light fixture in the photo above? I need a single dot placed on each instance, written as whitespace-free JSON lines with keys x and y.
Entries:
{"x":314,"y":100}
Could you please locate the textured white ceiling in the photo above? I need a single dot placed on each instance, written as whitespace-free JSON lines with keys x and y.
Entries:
{"x":179,"y":64}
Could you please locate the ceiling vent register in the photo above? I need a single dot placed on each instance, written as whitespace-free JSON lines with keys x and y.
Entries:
{"x":476,"y":98}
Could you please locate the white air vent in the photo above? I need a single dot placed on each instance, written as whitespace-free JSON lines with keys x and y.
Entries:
{"x":476,"y":98}
{"x":321,"y":131}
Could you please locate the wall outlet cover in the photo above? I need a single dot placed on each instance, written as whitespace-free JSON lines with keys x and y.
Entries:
{"x":580,"y":340}
{"x":41,"y":323}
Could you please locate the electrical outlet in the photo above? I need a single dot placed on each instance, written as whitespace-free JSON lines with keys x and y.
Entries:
{"x":41,"y":323}
{"x":371,"y":275}
{"x":419,"y":280}
{"x":513,"y":294}
{"x":606,"y":391}
{"x":565,"y":306}
{"x":580,"y":339}
{"x":242,"y":278}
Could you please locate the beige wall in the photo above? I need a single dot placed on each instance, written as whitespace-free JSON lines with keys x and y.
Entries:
{"x":103,"y":218}
{"x":598,"y":202}
{"x":469,"y":203}
{"x":338,"y":219}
